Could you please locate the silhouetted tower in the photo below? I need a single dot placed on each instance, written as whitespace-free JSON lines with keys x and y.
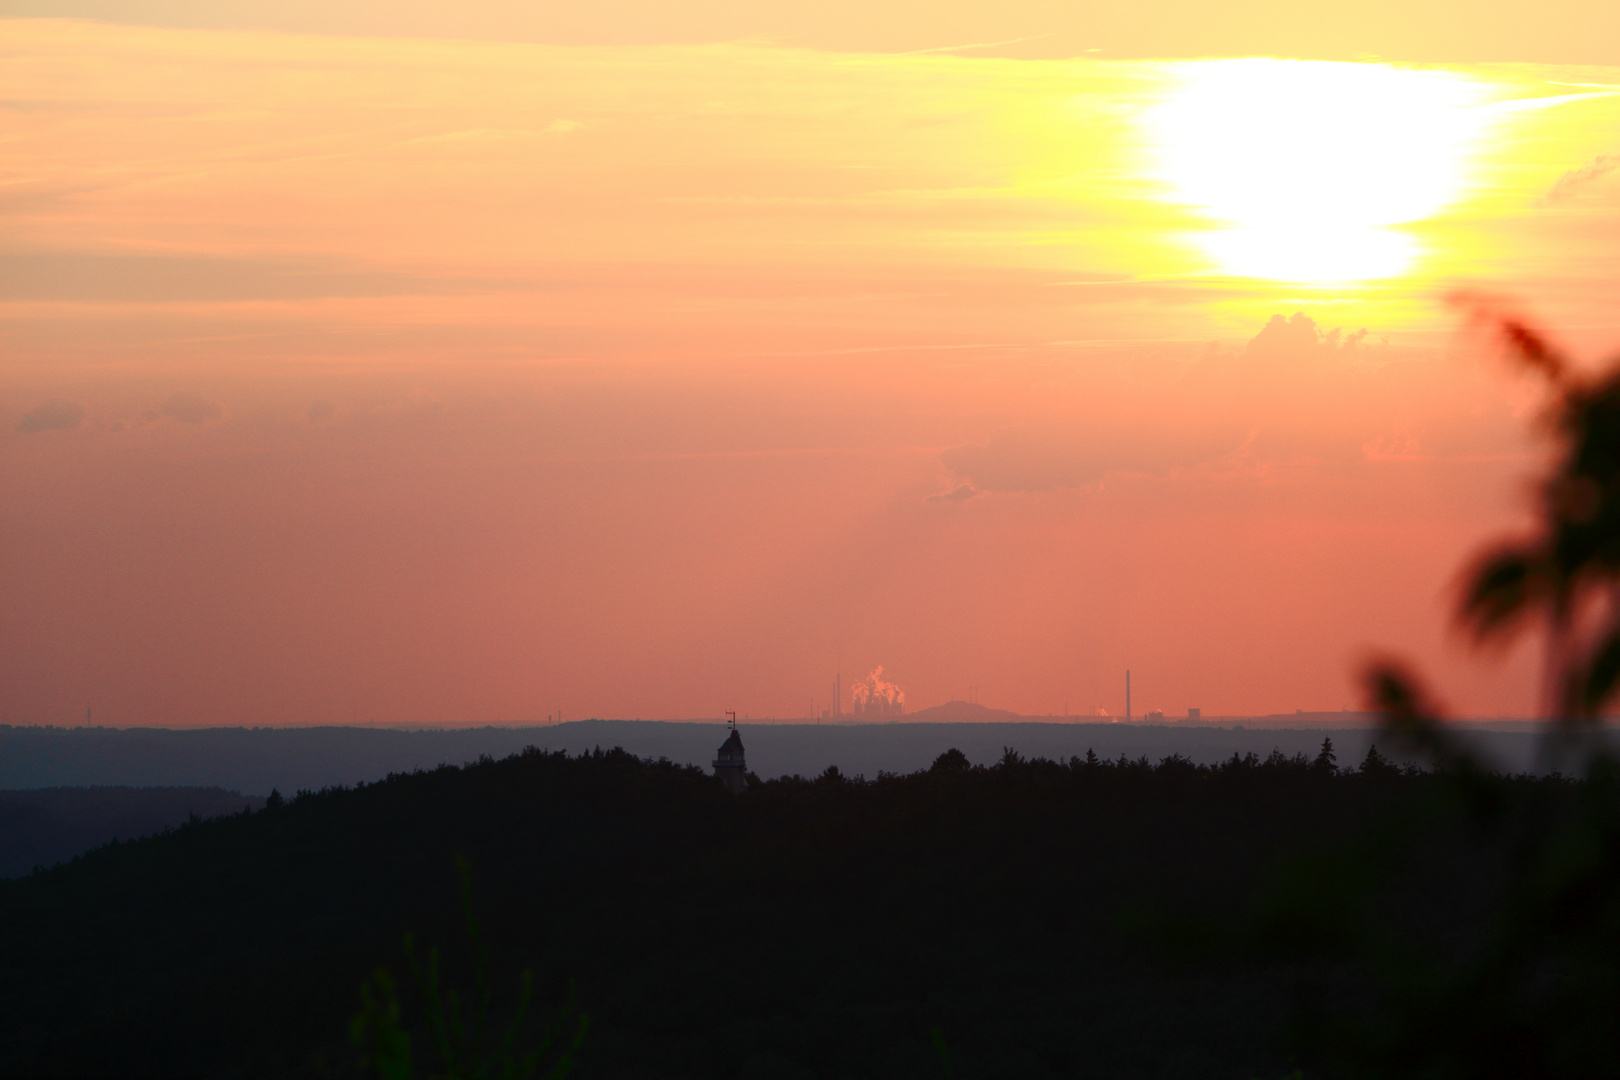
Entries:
{"x":728,"y":761}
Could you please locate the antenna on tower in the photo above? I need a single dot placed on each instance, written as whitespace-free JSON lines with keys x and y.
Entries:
{"x":732,"y":713}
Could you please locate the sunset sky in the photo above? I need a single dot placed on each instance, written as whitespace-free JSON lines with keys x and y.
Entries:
{"x":464,"y":363}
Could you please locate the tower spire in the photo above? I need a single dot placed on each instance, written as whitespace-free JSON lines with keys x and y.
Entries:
{"x":729,"y":765}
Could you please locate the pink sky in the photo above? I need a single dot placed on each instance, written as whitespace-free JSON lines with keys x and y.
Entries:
{"x":363,"y":371}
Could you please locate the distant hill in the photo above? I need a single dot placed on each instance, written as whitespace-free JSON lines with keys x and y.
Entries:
{"x":958,"y":712}
{"x":48,"y":825}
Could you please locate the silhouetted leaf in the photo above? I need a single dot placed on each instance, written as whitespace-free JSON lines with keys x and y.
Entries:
{"x":1499,"y":591}
{"x":1602,"y":673}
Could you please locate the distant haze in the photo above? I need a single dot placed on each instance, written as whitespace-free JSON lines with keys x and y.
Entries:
{"x":256,"y":760}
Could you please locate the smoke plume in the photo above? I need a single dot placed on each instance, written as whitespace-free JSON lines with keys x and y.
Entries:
{"x":874,"y":697}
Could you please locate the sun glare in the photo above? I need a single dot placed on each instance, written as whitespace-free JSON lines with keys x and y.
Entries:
{"x":1308,"y":170}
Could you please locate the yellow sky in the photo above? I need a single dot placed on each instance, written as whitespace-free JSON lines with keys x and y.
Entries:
{"x":1013,"y":285}
{"x":1408,"y":31}
{"x":470,"y":175}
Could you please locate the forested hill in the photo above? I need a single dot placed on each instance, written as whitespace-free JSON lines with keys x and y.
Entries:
{"x":806,"y":928}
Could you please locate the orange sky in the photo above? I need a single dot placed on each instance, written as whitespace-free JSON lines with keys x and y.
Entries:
{"x":464,"y":363}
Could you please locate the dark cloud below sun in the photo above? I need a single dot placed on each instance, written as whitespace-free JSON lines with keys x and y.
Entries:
{"x":190,"y":408}
{"x":54,"y":415}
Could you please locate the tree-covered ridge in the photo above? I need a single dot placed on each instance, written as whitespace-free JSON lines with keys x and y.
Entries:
{"x":810,"y":927}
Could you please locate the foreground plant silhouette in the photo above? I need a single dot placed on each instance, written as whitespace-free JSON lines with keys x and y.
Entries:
{"x":1568,"y":570}
{"x":459,"y":1037}
{"x":1526,"y":981}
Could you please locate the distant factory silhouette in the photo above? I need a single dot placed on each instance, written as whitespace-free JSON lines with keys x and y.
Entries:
{"x":871,"y":698}
{"x":876,"y":698}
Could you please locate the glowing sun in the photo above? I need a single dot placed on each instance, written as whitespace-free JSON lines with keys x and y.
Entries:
{"x":1307,"y":169}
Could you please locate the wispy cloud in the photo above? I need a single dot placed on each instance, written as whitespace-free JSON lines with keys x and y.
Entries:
{"x":977,"y":46}
{"x":960,"y":493}
{"x":1576,"y":182}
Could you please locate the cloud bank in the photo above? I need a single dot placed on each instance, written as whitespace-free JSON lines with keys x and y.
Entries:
{"x":1045,"y":459}
{"x":1294,"y":396}
{"x":190,"y":408}
{"x":54,"y":415}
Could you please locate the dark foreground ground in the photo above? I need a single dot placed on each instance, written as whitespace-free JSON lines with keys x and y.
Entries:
{"x":804,"y":929}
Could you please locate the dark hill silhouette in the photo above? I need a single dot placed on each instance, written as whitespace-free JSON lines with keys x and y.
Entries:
{"x":805,"y":928}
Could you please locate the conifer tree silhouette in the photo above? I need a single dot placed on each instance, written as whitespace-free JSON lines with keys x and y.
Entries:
{"x":1326,"y":761}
